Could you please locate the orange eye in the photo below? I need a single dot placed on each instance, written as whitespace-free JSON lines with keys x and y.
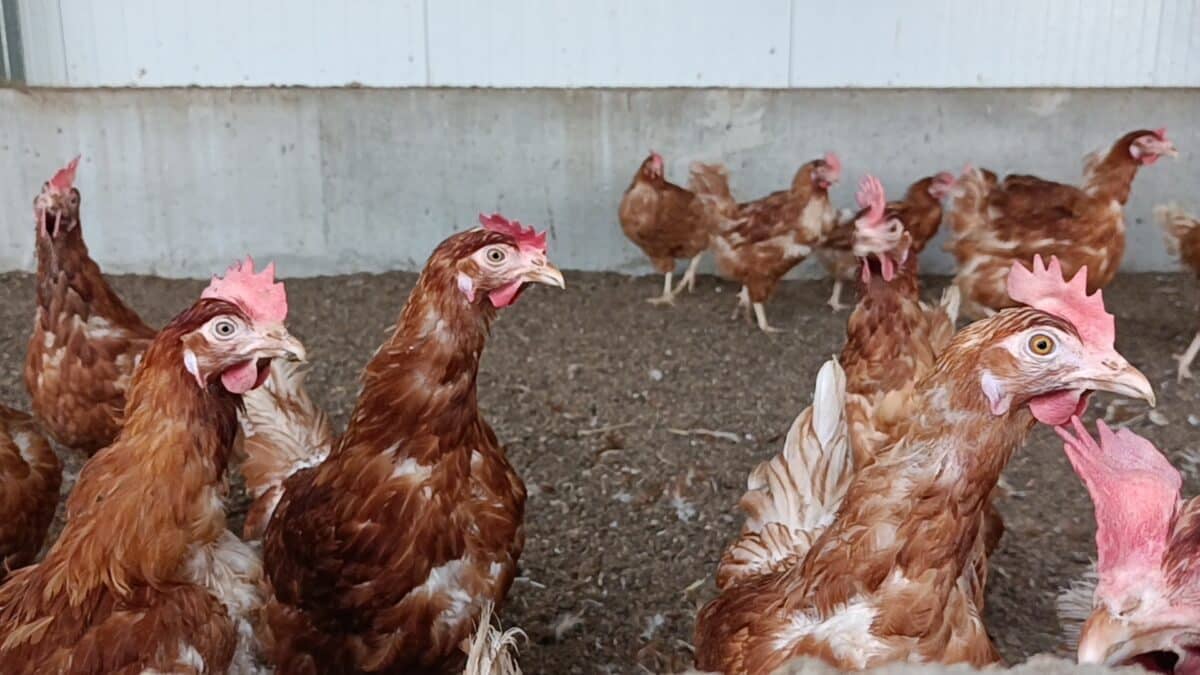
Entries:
{"x":1041,"y":344}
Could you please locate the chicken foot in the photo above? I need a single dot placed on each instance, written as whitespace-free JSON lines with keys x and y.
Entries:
{"x":760,"y":313}
{"x":667,"y":297}
{"x":689,"y":277}
{"x":1185,"y":359}
{"x":743,"y":304}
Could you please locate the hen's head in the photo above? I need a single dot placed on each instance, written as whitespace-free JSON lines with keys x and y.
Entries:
{"x":237,"y":328}
{"x":652,"y":168}
{"x":942,"y":185}
{"x":1145,"y":146}
{"x":1050,"y":354}
{"x":496,"y":262}
{"x":827,"y":171}
{"x":1146,"y":606}
{"x":56,"y":208}
{"x":878,"y":234}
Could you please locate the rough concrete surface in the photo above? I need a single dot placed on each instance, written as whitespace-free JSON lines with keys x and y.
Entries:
{"x":601,"y":400}
{"x":178,"y":182}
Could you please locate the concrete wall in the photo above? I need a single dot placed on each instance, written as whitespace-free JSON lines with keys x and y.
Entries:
{"x":178,"y":182}
{"x":614,"y":43}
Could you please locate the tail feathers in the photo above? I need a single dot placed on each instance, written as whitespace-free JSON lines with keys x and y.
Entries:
{"x":1176,"y":224}
{"x":1074,"y":604}
{"x":794,"y":496}
{"x":284,"y":433}
{"x":970,"y":203}
{"x":711,"y":183}
{"x":492,"y":651}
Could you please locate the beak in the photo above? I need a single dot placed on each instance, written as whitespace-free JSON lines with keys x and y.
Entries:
{"x":545,"y":274}
{"x":1115,"y":375}
{"x":1110,"y":641}
{"x":278,"y":343}
{"x":1170,"y":150}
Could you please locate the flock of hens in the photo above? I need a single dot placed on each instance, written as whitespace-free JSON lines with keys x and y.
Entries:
{"x":386,"y":549}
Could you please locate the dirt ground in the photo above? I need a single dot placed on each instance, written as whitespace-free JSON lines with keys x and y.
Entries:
{"x":601,"y":400}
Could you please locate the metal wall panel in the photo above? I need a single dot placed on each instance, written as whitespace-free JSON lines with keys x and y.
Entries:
{"x":613,"y":43}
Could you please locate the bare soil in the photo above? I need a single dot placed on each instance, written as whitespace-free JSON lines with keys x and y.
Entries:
{"x":607,"y":405}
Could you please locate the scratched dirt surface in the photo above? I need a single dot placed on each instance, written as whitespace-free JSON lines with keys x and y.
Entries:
{"x":635,"y":426}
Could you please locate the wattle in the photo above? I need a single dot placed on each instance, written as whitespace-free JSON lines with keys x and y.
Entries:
{"x":1057,"y":408}
{"x":505,"y":295}
{"x":242,"y":377}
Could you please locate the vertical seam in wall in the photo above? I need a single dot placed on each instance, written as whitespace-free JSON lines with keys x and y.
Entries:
{"x":791,"y":38}
{"x":425,"y":20}
{"x":62,"y":32}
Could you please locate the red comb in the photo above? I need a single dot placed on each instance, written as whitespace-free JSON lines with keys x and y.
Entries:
{"x":947,"y":177}
{"x":64,"y":178}
{"x":526,"y":237}
{"x":258,"y":294}
{"x":1161,"y":132}
{"x":1134,"y":490}
{"x":871,"y":196}
{"x":1043,"y":288}
{"x":834,"y":163}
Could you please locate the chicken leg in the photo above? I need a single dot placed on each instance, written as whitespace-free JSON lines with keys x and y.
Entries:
{"x":667,"y":297}
{"x":689,"y":277}
{"x":835,"y":299}
{"x":743,"y":305}
{"x":1185,"y":359}
{"x":761,"y":314}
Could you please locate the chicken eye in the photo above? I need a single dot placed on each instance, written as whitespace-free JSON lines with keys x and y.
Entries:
{"x":495,"y":255}
{"x":1041,"y":344}
{"x":224,"y":328}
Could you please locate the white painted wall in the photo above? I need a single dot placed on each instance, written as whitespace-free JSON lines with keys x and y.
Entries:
{"x":613,"y":43}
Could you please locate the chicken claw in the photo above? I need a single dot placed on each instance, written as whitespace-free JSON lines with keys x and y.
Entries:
{"x":835,"y":299}
{"x":761,"y":314}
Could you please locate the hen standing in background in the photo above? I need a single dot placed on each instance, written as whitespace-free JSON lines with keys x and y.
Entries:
{"x":30,"y":475}
{"x":921,"y":213}
{"x":86,"y":342}
{"x":668,"y":222}
{"x":877,"y":567}
{"x":771,"y":235}
{"x":1142,"y":608}
{"x":145,"y":577}
{"x":382,"y":556}
{"x":998,"y":222}
{"x":1183,"y":238}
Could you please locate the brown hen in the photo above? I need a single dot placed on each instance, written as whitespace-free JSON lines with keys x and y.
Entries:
{"x":86,"y":343}
{"x":145,"y":577}
{"x":1183,"y":238}
{"x":30,"y":476}
{"x":998,"y":222}
{"x":884,"y":572}
{"x":769,"y":236}
{"x":383,"y":555}
{"x":669,"y":222}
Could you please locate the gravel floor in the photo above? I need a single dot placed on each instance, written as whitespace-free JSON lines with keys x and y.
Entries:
{"x":603,"y":402}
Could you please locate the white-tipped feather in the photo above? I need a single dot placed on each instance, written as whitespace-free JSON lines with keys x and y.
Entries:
{"x":492,"y":651}
{"x":1074,"y":604}
{"x":951,"y":299}
{"x":791,"y":498}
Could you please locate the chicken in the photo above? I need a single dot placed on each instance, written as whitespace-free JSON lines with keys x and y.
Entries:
{"x":668,"y":222}
{"x":884,"y":572}
{"x":998,"y":222}
{"x":86,"y":343}
{"x":30,"y":476}
{"x":381,"y":557}
{"x":145,"y":577}
{"x":1183,"y":238}
{"x":769,"y":236}
{"x":921,"y":213}
{"x":1144,"y":607}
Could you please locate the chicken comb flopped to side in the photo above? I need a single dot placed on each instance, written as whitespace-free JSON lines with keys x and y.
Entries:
{"x":262,"y":298}
{"x":656,"y":160}
{"x":1161,"y":132}
{"x":871,"y":197}
{"x":1134,"y":490}
{"x":64,"y":178}
{"x":1044,"y":288}
{"x":834,"y":163}
{"x":947,"y":178}
{"x":527,"y":237}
